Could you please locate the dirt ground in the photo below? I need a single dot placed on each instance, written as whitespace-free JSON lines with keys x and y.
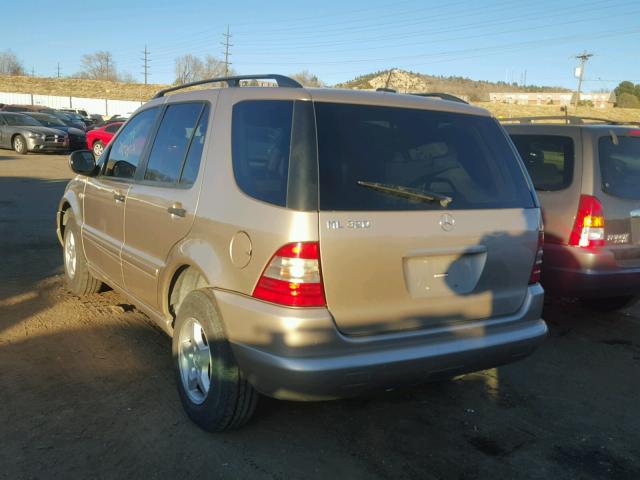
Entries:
{"x":87,"y":391}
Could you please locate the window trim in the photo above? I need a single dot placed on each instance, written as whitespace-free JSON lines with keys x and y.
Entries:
{"x":139,"y":179}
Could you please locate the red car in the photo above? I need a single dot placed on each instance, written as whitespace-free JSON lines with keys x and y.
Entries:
{"x":100,"y":137}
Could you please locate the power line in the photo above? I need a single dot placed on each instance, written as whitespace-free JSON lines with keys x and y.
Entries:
{"x":145,"y":65}
{"x":226,"y":45}
{"x":584,"y":58}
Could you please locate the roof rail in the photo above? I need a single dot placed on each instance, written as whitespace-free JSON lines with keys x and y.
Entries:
{"x":443,"y":96}
{"x":568,"y":120}
{"x":234,"y":81}
{"x":385,"y":89}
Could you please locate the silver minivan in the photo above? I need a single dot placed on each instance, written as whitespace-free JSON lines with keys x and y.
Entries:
{"x":588,"y":180}
{"x":311,"y":244}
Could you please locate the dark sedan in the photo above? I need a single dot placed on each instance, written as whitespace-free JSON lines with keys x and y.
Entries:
{"x":77,"y":137}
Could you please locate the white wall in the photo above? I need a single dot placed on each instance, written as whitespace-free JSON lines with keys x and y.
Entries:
{"x":91,"y":105}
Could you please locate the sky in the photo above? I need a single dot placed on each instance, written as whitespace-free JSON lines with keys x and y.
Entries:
{"x":501,"y":40}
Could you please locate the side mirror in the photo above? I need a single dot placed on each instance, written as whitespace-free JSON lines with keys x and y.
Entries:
{"x":83,"y":162}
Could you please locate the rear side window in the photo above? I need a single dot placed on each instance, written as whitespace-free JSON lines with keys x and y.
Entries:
{"x":465,"y":157}
{"x":274,"y":152}
{"x":548,"y":158}
{"x":112,"y":128}
{"x":620,"y":166}
{"x":172,"y":142}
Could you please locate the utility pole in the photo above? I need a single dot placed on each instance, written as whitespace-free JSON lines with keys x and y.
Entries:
{"x":583,"y":57}
{"x":106,"y":68}
{"x":33,"y":71}
{"x":145,"y":66}
{"x":226,"y":45}
{"x":58,"y":69}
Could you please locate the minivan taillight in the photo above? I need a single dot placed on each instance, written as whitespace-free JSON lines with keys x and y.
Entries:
{"x":588,"y":229}
{"x":293,"y":277}
{"x":536,"y":271}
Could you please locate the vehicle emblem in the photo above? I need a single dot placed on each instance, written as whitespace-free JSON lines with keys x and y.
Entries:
{"x":447,"y":222}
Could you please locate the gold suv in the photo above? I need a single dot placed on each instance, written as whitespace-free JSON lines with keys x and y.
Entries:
{"x":310,"y":244}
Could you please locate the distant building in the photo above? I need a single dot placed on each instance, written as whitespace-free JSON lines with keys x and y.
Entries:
{"x":599,"y":100}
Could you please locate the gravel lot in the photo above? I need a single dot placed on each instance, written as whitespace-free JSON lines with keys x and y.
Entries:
{"x":86,"y":389}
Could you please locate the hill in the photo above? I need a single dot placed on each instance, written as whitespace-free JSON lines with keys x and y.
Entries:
{"x":77,"y":87}
{"x":405,"y":81}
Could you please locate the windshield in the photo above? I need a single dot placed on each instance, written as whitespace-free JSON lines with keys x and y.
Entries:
{"x":620,"y":166}
{"x":49,"y":120}
{"x":452,"y":160}
{"x":18,"y":120}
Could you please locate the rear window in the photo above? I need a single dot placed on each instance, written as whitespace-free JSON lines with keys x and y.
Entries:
{"x":465,"y":157}
{"x":620,"y":166}
{"x":548,"y":158}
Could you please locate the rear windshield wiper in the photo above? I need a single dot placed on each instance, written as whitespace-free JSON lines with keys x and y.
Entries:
{"x":407,"y":192}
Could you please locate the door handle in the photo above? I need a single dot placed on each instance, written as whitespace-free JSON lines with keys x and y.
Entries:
{"x":118,"y":197}
{"x":177,"y":210}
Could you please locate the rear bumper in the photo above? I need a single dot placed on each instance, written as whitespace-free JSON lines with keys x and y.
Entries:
{"x":298,"y":354}
{"x":567,"y":282}
{"x":576,"y":272}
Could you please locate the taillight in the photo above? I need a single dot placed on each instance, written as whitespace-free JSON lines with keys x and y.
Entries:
{"x":588,"y":229}
{"x":293,"y":277}
{"x":635,"y":133}
{"x":536,"y":271}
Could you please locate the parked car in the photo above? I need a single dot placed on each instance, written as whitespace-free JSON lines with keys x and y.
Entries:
{"x":77,"y":137}
{"x":25,"y":134}
{"x":100,"y":137}
{"x":588,"y":181}
{"x":69,"y":119}
{"x":26,"y":108}
{"x":310,"y":244}
{"x":79,"y":115}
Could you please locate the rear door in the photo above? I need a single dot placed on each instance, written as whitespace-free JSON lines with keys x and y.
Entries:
{"x":391,"y":261}
{"x":161,"y":204}
{"x":618,"y":178}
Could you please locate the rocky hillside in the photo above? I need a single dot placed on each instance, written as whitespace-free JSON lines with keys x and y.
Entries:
{"x":404,"y":81}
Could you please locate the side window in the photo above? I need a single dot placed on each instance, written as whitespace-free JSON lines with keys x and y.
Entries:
{"x":261,"y":141}
{"x":127,"y":148}
{"x":548,"y":158}
{"x":172,"y":141}
{"x":112,"y":128}
{"x":192,"y":163}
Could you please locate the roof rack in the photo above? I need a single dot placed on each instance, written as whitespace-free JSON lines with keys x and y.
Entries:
{"x":568,"y":120}
{"x":443,"y":96}
{"x":234,"y":81}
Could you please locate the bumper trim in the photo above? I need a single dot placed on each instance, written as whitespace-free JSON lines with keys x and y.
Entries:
{"x":299,"y":354}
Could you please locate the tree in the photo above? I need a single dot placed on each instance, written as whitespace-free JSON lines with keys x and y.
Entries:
{"x":625,"y":87}
{"x":187,"y":69}
{"x":307,"y":79}
{"x":98,"y":66}
{"x":627,"y":100}
{"x":10,"y":64}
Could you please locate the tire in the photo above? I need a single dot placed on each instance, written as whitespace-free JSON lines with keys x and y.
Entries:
{"x":609,"y":304}
{"x":213,"y":391}
{"x":98,"y":148}
{"x":76,"y":273}
{"x":20,"y":145}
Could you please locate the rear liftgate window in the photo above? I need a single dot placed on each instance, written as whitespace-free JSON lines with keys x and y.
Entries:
{"x":274,"y":152}
{"x":620,"y":166}
{"x":548,"y":158}
{"x":386,"y":158}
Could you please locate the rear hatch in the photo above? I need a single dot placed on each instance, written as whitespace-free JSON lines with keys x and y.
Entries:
{"x":426,"y":218}
{"x":619,"y":166}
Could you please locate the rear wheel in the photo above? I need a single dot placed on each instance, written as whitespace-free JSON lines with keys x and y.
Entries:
{"x":214,"y":392}
{"x":20,"y":145}
{"x":98,"y":148}
{"x":609,"y":304}
{"x":76,"y":273}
